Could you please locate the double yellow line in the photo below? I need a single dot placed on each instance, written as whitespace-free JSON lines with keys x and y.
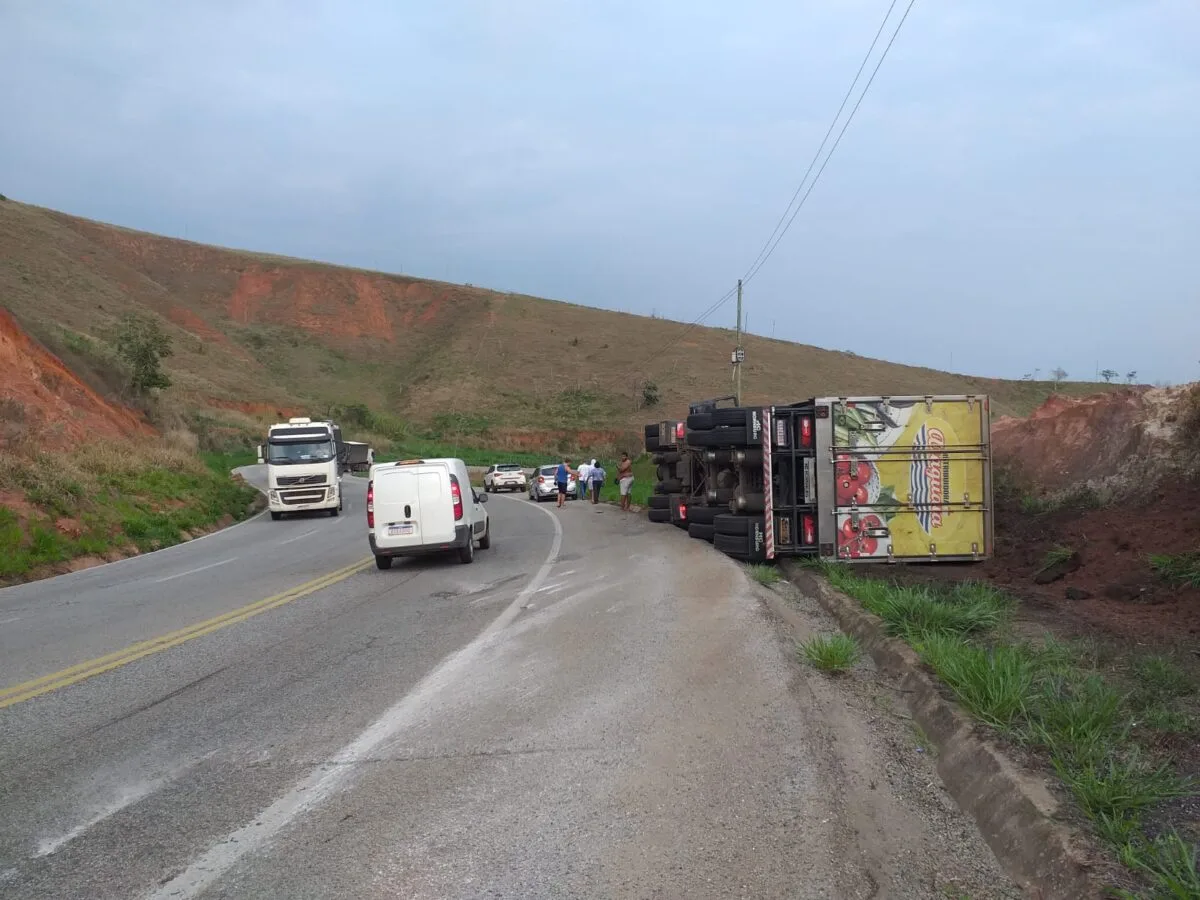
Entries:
{"x":19,"y":693}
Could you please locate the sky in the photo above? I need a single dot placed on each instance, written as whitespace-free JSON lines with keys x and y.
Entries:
{"x":1018,"y":192}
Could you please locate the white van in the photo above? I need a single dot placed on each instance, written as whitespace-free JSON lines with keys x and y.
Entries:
{"x":419,"y":506}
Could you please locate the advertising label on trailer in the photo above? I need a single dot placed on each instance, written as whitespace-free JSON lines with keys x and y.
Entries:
{"x":904,"y":477}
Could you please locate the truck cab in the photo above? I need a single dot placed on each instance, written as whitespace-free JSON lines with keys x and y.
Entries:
{"x":304,"y":461}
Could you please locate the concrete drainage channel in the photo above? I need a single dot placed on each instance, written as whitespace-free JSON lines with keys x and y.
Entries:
{"x":1016,"y":811}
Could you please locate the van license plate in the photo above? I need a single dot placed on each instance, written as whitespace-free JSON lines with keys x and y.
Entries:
{"x":401,"y":530}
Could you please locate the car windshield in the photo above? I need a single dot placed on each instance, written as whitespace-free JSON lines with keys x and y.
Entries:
{"x":508,"y":468}
{"x":299,"y":452}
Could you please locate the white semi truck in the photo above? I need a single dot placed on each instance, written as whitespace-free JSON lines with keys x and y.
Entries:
{"x":304,"y":461}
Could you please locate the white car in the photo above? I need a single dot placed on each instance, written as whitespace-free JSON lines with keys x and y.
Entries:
{"x":542,"y":485}
{"x":421,"y":506}
{"x":504,"y":477}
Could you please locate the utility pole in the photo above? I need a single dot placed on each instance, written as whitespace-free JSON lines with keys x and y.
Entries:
{"x":738,"y":353}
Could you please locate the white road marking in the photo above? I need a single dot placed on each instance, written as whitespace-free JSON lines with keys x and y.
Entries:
{"x":322,"y":781}
{"x":10,"y":619}
{"x":130,"y":796}
{"x":194,"y":571}
{"x":302,"y":534}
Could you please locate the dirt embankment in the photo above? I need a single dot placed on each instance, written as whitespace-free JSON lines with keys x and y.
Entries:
{"x":41,"y":399}
{"x":1107,"y":486}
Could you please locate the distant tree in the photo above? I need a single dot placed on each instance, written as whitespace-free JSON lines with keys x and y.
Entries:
{"x":1109,"y":374}
{"x":650,"y":396}
{"x":1059,"y":374}
{"x":1130,"y":376}
{"x":142,"y":344}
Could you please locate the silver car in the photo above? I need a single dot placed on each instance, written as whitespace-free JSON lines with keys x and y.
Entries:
{"x":543,"y":487}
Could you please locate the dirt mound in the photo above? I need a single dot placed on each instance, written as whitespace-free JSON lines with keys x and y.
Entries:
{"x":1115,"y":442}
{"x":42,"y":399}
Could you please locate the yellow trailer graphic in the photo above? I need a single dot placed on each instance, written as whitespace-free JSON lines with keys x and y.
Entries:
{"x":904,"y":477}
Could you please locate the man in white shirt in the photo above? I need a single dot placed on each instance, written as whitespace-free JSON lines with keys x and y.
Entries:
{"x":583,"y":480}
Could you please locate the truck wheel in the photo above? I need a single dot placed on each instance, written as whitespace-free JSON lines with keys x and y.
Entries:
{"x":659,"y":515}
{"x":670,"y":486}
{"x":485,"y":542}
{"x":276,"y":516}
{"x":383,"y":562}
{"x":704,"y":515}
{"x":731,"y":415}
{"x":667,"y":457}
{"x":659,"y":501}
{"x":467,"y":554}
{"x":700,"y":421}
{"x":333,"y":512}
{"x":702,"y":532}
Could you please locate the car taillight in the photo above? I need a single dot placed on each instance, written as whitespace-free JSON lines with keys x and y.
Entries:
{"x":806,"y":434}
{"x":370,"y":504}
{"x":456,"y":496}
{"x":541,"y":480}
{"x":810,"y":530}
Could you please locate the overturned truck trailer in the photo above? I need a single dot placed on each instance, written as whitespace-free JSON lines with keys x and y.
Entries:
{"x":856,"y":479}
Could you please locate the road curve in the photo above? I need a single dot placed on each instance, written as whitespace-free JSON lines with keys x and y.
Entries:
{"x":596,"y":707}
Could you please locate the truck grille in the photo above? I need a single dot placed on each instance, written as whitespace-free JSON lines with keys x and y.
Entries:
{"x":294,"y":498}
{"x":300,"y":479}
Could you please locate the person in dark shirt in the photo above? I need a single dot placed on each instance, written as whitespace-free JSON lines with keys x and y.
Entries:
{"x":562,"y":478}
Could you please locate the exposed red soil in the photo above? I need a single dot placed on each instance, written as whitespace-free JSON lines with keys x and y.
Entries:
{"x":43,"y":396}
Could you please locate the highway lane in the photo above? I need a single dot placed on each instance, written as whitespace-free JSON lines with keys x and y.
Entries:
{"x":51,"y":624}
{"x":116,"y":782}
{"x":597,"y":707}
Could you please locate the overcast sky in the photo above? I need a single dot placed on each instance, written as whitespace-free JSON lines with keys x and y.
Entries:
{"x":1020,"y":189}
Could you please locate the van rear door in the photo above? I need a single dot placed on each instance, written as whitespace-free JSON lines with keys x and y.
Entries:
{"x":904,"y":477}
{"x":413,"y":506}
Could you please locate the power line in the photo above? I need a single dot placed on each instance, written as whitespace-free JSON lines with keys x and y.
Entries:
{"x":828,"y":132}
{"x":756,"y":268}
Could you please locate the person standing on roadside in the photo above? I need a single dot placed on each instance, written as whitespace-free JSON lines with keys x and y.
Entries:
{"x":562,"y":478}
{"x":583,"y":482}
{"x":625,"y":480}
{"x":597,"y":481}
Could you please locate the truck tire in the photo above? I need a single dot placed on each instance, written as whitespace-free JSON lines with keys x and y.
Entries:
{"x":659,"y":515}
{"x":659,"y":501}
{"x":652,"y":444}
{"x":724,"y":436}
{"x":276,"y":515}
{"x":651,"y":431}
{"x":732,"y":545}
{"x":670,"y":486}
{"x":383,"y":562}
{"x":731,"y":415}
{"x":700,"y":421}
{"x":666,"y":472}
{"x":728,"y":523}
{"x":704,"y":515}
{"x":666,"y":457}
{"x":701,"y":532}
{"x":333,"y":512}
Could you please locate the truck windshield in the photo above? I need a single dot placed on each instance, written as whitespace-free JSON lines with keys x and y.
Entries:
{"x":297,"y":452}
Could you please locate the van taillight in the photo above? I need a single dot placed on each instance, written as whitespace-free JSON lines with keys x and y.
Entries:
{"x":810,"y":529}
{"x":806,"y":435}
{"x":370,"y":504}
{"x":456,"y":495}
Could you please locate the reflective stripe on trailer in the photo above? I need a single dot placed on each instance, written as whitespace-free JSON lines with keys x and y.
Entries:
{"x":768,"y":487}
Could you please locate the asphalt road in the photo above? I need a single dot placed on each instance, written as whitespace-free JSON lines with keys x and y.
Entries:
{"x":596,"y":707}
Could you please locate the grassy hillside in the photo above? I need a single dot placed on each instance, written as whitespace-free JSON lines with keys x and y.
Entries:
{"x":258,"y":336}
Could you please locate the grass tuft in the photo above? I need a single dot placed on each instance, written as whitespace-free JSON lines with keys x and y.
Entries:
{"x":764,"y":574}
{"x":1056,"y":556}
{"x":831,"y":653}
{"x":993,"y":683}
{"x":1182,"y":569}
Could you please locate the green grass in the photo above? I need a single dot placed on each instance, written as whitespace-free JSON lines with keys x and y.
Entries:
{"x":1182,"y":569}
{"x":1076,"y":498}
{"x":1097,"y":728}
{"x":644,"y":479}
{"x":1056,"y":556}
{"x":831,"y":652}
{"x":764,"y":574}
{"x":224,"y":463}
{"x":108,"y":497}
